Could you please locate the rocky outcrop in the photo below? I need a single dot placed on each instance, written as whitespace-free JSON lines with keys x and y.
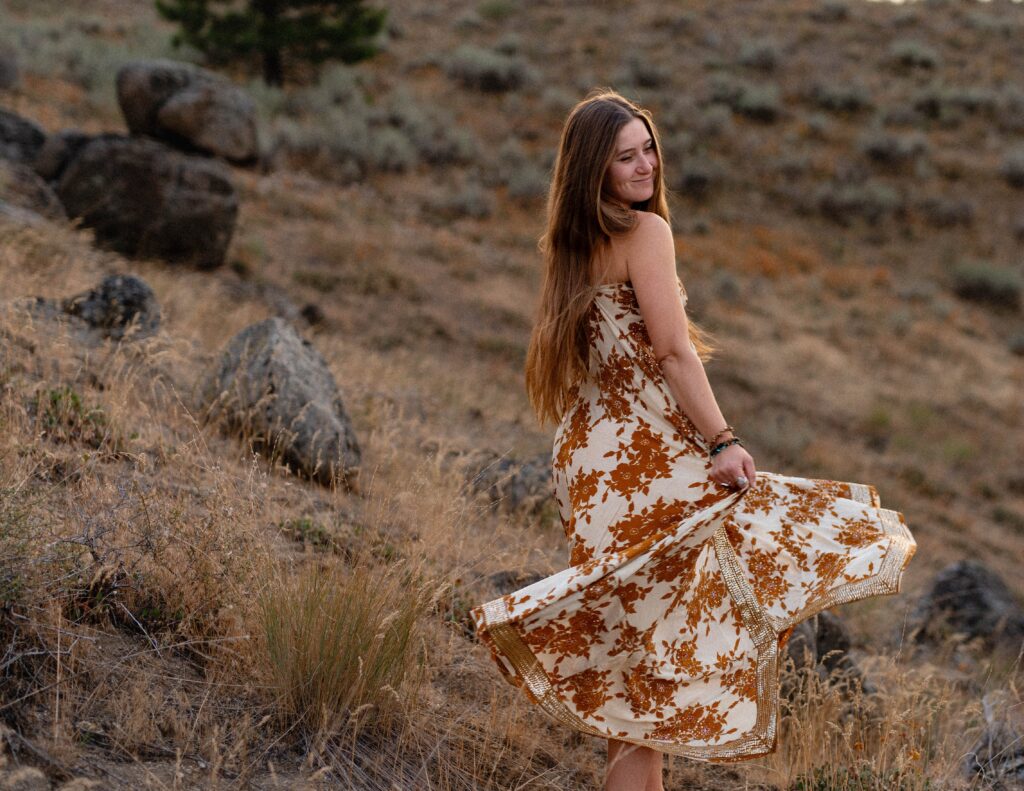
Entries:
{"x":146,"y":200}
{"x":20,"y":139}
{"x":969,"y":602}
{"x":60,"y":148}
{"x":21,"y":186}
{"x":188,"y":107}
{"x":509,"y":483}
{"x":272,"y":387}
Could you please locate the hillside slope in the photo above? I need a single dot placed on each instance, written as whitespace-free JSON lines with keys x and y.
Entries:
{"x":832,"y":170}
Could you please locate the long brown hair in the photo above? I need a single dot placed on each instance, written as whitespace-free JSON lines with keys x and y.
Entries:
{"x":581,"y":219}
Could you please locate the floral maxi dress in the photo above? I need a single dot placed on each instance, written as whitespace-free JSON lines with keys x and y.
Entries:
{"x":667,"y":627}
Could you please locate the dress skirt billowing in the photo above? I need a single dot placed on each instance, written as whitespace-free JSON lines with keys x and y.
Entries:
{"x":667,"y":627}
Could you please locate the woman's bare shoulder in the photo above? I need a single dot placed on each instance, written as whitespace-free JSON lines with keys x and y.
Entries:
{"x":650,"y":227}
{"x":650,"y":232}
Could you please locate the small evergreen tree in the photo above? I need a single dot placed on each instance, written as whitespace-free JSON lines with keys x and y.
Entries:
{"x":311,"y":30}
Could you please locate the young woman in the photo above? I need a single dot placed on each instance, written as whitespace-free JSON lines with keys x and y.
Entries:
{"x":689,"y":568}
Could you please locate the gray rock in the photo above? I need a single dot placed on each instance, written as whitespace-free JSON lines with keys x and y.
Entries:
{"x":970,"y":601}
{"x":274,"y":388}
{"x":8,"y":68}
{"x":21,"y":186}
{"x":60,"y":148}
{"x":511,"y":483}
{"x":144,"y":199}
{"x":998,"y":756}
{"x":188,"y":107}
{"x":823,"y":642}
{"x":20,"y":139}
{"x":120,"y":306}
{"x":510,"y":581}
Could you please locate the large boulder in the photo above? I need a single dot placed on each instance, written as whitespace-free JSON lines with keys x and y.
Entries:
{"x":20,"y":138}
{"x":189,"y":107}
{"x":970,"y":602}
{"x":274,"y":388}
{"x":60,"y":148}
{"x":21,"y":186}
{"x":144,"y":199}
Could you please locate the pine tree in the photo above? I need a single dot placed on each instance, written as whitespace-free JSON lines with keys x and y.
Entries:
{"x":311,"y":30}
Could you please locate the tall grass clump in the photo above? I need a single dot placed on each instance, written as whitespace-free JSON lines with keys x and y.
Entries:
{"x":344,"y":644}
{"x":904,"y":730}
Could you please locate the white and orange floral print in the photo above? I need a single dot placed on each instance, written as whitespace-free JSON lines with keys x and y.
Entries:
{"x":667,"y":627}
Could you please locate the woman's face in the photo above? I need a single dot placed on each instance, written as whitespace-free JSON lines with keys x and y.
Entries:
{"x":630,"y":176}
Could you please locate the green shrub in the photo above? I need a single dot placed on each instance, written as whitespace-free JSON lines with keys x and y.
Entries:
{"x":713,"y":121}
{"x":864,"y":778}
{"x":1012,"y":168}
{"x":989,"y":24}
{"x":870,"y":201}
{"x":331,"y":128}
{"x":75,"y":49}
{"x":1010,"y":112}
{"x":470,"y":200}
{"x":696,"y":177}
{"x":947,"y":212}
{"x":841,"y":97}
{"x":63,"y":416}
{"x":643,"y":72}
{"x":949,"y":105}
{"x":759,"y":102}
{"x":487,"y":70}
{"x":496,"y":10}
{"x":528,"y":183}
{"x":888,"y":148}
{"x":760,"y":54}
{"x":323,"y":282}
{"x":830,"y":11}
{"x":979,"y":281}
{"x":912,"y":54}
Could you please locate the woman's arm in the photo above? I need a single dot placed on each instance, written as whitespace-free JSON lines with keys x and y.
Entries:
{"x":652,"y":270}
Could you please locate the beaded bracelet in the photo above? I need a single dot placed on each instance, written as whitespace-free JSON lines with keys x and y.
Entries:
{"x":720,"y":433}
{"x":723,"y":445}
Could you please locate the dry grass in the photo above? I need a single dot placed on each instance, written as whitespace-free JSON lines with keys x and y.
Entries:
{"x":142,"y":554}
{"x":344,"y":645}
